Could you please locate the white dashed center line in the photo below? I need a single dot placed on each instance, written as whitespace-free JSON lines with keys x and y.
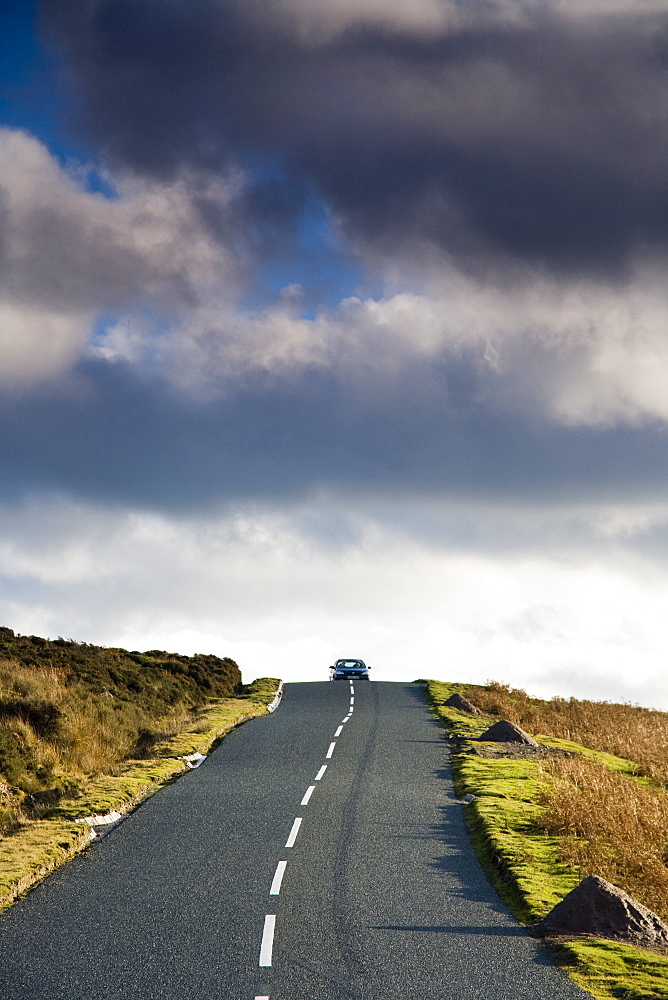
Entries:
{"x":267,"y":939}
{"x":309,"y":792}
{"x":293,"y":832}
{"x":267,"y":944}
{"x":278,"y":878}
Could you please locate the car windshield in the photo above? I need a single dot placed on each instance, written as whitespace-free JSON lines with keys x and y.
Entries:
{"x":349,"y":665}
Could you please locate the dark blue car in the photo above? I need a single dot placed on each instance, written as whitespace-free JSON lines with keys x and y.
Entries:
{"x":349,"y":670}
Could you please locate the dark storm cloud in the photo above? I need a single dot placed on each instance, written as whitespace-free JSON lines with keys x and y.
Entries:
{"x":544,"y":139}
{"x":116,"y":437}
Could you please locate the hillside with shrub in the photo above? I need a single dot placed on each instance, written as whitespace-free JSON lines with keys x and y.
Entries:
{"x":70,"y":710}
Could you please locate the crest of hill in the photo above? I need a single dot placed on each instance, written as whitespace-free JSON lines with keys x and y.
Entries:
{"x":150,"y":678}
{"x":72,"y":709}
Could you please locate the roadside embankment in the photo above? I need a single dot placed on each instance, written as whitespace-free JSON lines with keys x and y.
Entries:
{"x":39,"y":846}
{"x":542,"y":818}
{"x":87,"y":733}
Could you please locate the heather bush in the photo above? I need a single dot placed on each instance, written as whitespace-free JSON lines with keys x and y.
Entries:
{"x":68,"y":710}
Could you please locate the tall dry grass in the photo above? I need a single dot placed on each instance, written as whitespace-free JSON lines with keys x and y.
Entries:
{"x":53,"y":733}
{"x":70,"y":710}
{"x":610,"y":825}
{"x":639,"y":734}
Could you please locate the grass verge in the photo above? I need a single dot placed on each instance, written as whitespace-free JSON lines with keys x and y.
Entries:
{"x":39,"y":846}
{"x":526,"y":864}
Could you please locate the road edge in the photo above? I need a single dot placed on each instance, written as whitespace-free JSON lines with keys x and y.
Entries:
{"x":39,"y":848}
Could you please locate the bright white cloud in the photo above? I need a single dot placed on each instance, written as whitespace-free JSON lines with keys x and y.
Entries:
{"x":578,"y":351}
{"x":70,"y":255}
{"x":272,"y":590}
{"x":39,"y":344}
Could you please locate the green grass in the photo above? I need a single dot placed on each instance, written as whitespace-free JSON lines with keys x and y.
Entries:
{"x":610,"y":969}
{"x":40,"y":846}
{"x":523,"y":862}
{"x":263,"y":690}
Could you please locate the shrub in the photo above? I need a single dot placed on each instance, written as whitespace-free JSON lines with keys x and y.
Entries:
{"x":69,"y":709}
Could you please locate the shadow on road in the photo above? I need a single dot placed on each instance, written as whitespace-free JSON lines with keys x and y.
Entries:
{"x":487,"y":931}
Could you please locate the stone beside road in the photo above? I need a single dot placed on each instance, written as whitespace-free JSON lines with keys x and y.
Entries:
{"x":462,"y":704}
{"x":599,"y":908}
{"x":507,"y":732}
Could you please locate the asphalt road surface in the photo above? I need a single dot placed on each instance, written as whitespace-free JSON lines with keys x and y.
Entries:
{"x":318,"y":854}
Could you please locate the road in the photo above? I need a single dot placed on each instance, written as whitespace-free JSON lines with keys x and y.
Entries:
{"x":211,"y":889}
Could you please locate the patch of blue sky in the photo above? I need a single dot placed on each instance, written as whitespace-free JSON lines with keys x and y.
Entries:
{"x":296,"y":240}
{"x":313,"y":256}
{"x":32,"y":99}
{"x":102,"y":327}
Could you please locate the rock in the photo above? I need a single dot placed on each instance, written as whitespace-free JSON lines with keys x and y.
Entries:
{"x":597,"y":907}
{"x":507,"y":732}
{"x":462,"y":704}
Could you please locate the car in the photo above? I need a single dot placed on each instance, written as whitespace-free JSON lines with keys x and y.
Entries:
{"x":349,"y":670}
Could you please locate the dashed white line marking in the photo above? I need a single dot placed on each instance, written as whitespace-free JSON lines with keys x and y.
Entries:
{"x":330,"y":751}
{"x":309,"y":792}
{"x":338,"y":731}
{"x":293,"y":832}
{"x":278,"y":878}
{"x":267,"y":939}
{"x":352,"y":702}
{"x":321,"y":772}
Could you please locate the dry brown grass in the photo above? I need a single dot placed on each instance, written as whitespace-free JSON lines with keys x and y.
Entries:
{"x":88,"y":735}
{"x":19,"y":681}
{"x":610,"y":825}
{"x":638,"y":734}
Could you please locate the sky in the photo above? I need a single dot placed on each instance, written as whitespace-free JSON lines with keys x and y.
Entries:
{"x":334,"y":330}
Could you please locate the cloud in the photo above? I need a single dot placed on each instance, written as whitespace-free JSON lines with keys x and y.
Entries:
{"x":70,"y":256}
{"x":498,"y":169}
{"x":184,"y":399}
{"x":114,"y":433}
{"x":458,"y":465}
{"x":281,"y":589}
{"x":38,"y":344}
{"x":521,"y":131}
{"x":576,"y":352}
